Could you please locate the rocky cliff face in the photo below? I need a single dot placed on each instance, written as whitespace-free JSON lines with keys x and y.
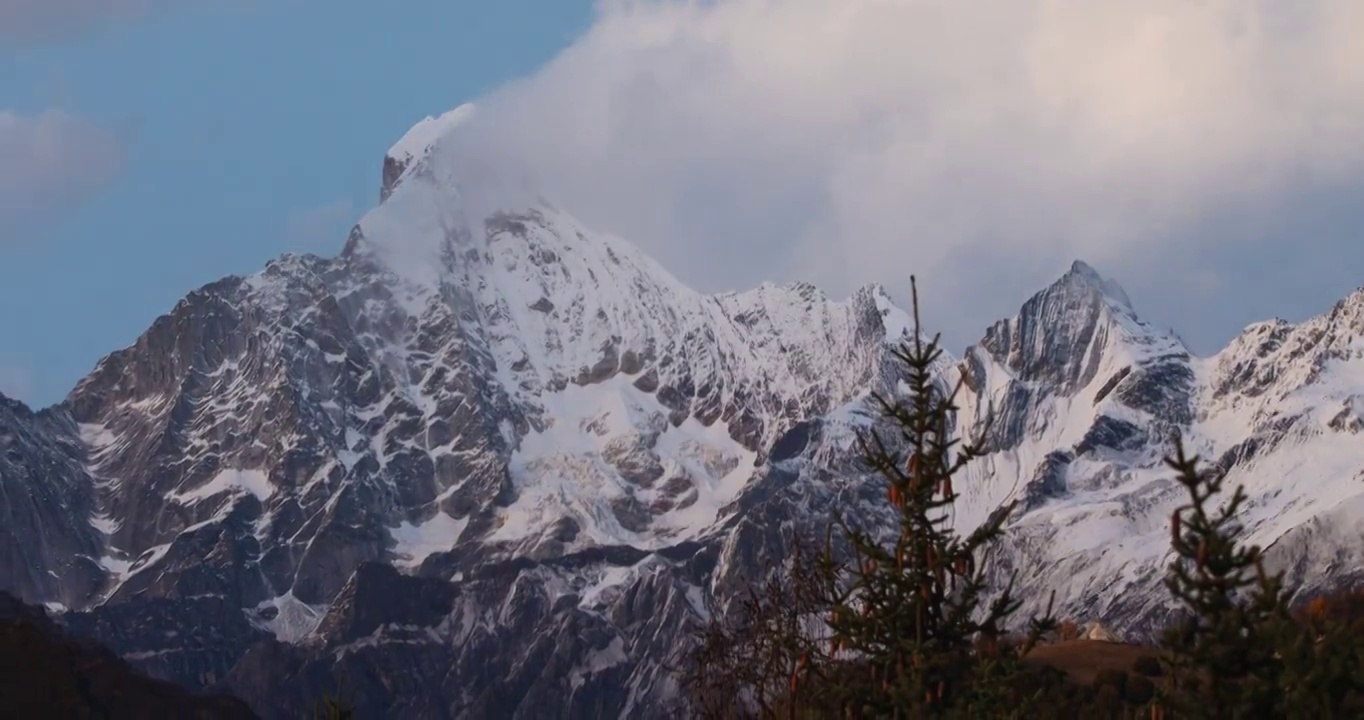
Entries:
{"x":489,"y":463}
{"x":46,"y":497}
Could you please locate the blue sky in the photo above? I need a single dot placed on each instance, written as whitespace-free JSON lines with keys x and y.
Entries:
{"x":246,"y":129}
{"x":1206,"y":155}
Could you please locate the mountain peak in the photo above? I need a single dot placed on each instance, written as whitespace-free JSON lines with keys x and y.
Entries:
{"x":417,"y":143}
{"x":425,"y":134}
{"x":14,"y":404}
{"x":1079,"y":266}
{"x":1073,"y":329}
{"x":1084,"y":275}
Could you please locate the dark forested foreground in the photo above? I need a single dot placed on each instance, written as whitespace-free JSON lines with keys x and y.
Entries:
{"x":45,"y":673}
{"x":860,"y":625}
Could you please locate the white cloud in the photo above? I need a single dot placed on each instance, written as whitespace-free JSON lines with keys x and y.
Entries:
{"x":31,"y":22}
{"x":51,"y":161}
{"x":320,"y":229}
{"x":861,"y":140}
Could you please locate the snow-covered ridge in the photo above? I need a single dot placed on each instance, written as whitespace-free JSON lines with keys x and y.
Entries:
{"x":477,"y":372}
{"x":1087,"y":397}
{"x":418,"y":141}
{"x":406,"y":155}
{"x":499,"y":436}
{"x":560,"y":308}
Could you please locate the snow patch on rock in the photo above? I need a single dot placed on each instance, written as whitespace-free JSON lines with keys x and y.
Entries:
{"x":417,"y":542}
{"x":251,"y":482}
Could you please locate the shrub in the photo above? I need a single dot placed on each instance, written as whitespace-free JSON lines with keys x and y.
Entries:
{"x":1140,"y":689}
{"x":1238,"y":651}
{"x":329,"y":708}
{"x":334,"y":707}
{"x":1117,"y":679}
{"x":1108,"y":701}
{"x":1148,"y":665}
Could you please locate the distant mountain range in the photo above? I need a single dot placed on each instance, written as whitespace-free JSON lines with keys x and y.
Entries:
{"x":489,"y":463}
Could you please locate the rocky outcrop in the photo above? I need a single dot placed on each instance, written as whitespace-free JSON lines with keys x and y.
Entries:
{"x":49,"y":546}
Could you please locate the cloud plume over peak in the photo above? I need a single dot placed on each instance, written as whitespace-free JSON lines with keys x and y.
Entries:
{"x":861,"y":140}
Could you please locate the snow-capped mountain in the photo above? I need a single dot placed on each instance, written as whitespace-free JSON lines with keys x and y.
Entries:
{"x":1087,"y":398}
{"x":488,"y":462}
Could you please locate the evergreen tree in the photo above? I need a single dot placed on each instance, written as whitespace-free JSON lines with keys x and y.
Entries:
{"x":1323,"y":664}
{"x":1238,"y":652}
{"x":1222,"y":654}
{"x":911,"y":627}
{"x":915,"y":612}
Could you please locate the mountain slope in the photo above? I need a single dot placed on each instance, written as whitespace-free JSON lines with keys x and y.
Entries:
{"x":45,"y":497}
{"x":490,"y":463}
{"x":505,"y":396}
{"x":1087,"y":398}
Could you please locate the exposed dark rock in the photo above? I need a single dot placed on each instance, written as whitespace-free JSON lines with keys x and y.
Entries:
{"x":1246,"y":450}
{"x":507,"y":223}
{"x":1350,"y":419}
{"x":1161,"y":388}
{"x":393,"y":170}
{"x":378,"y":595}
{"x":648,"y":382}
{"x":1111,"y":383}
{"x":1048,"y":482}
{"x":1053,"y":338}
{"x":1112,"y":434}
{"x":630,"y":513}
{"x":604,"y":368}
{"x":633,"y":458}
{"x":631,"y":362}
{"x":172,"y":639}
{"x":794,"y":442}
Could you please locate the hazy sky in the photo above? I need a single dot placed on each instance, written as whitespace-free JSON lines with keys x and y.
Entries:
{"x":148,"y":147}
{"x":1209,"y":155}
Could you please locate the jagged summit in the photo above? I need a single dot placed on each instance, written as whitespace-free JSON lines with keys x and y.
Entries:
{"x":419,"y":140}
{"x":13,"y":404}
{"x":417,"y":144}
{"x":1084,"y":275}
{"x":1067,"y":333}
{"x":1086,"y":397}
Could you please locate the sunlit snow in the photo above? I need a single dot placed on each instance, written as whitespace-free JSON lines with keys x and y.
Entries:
{"x":294,"y":619}
{"x":561,"y":472}
{"x":254,"y":482}
{"x":415,"y":543}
